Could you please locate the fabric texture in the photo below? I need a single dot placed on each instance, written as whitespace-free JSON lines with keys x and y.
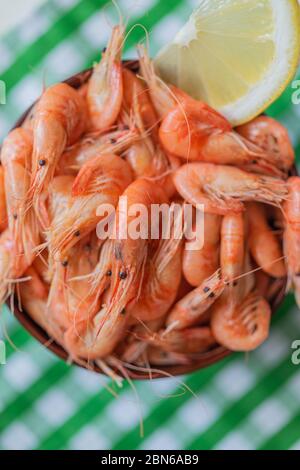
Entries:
{"x":245,"y":402}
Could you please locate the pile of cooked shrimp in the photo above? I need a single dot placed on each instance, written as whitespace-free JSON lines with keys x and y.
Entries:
{"x":145,"y":301}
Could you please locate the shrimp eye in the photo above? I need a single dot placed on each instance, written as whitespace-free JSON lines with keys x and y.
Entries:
{"x":15,"y":216}
{"x":235,"y":283}
{"x":206,"y":289}
{"x":42,"y":162}
{"x":65,"y":263}
{"x":123,"y":275}
{"x":109,"y":273}
{"x":123,"y":311}
{"x":77,"y":233}
{"x":211,"y":295}
{"x":113,"y":141}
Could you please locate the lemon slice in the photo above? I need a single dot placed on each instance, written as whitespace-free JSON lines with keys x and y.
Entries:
{"x":236,"y":55}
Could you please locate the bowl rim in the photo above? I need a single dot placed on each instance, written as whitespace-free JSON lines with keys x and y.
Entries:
{"x":206,"y":359}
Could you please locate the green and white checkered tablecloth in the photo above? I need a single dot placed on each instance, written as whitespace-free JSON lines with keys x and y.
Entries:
{"x":245,"y":402}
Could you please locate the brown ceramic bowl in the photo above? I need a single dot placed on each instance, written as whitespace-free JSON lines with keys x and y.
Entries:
{"x":275,"y":295}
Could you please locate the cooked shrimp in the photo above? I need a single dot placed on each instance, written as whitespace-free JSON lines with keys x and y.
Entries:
{"x":98,"y":338}
{"x":23,"y":224}
{"x":263,"y":243}
{"x":34,"y":295}
{"x":272,"y":137}
{"x":223,"y":188}
{"x":77,"y":302}
{"x":60,"y":120}
{"x":241,"y":326}
{"x":100,"y":181}
{"x":116,"y":141}
{"x":201,"y":257}
{"x":105,"y":88}
{"x":146,"y":156}
{"x":134,"y":87}
{"x":232,"y":253}
{"x":16,"y":160}
{"x":3,"y":211}
{"x":60,"y":194}
{"x":100,"y":277}
{"x":13,"y":264}
{"x":132,"y":351}
{"x":130,"y":254}
{"x":162,"y":274}
{"x":193,"y":307}
{"x":58,"y":203}
{"x":161,"y":95}
{"x":83,"y":340}
{"x":195,"y":132}
{"x":291,"y":238}
{"x":187,"y":341}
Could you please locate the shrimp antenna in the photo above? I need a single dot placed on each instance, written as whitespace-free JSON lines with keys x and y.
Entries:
{"x":139,"y":25}
{"x":259,"y":268}
{"x":120,"y":14}
{"x":118,"y":364}
{"x":161,"y":372}
{"x":6,"y":334}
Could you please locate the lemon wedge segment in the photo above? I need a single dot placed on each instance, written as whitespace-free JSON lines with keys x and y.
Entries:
{"x":236,"y":55}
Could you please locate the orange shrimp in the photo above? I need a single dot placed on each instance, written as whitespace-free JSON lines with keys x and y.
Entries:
{"x":291,"y":237}
{"x":130,"y":254}
{"x":263,"y":243}
{"x":272,"y":137}
{"x":116,"y":141}
{"x":60,"y":120}
{"x":83,"y":340}
{"x":193,"y":307}
{"x":3,"y":211}
{"x":232,"y":252}
{"x":162,"y":275}
{"x":105,"y":87}
{"x":241,"y":326}
{"x":100,"y":181}
{"x":34,"y":295}
{"x":195,"y":132}
{"x":222,"y":189}
{"x":135,"y":89}
{"x":164,"y":97}
{"x":13,"y":264}
{"x":100,"y":277}
{"x":60,"y":193}
{"x":201,"y":260}
{"x":135,"y":348}
{"x":40,"y":264}
{"x":98,"y":338}
{"x":187,"y":341}
{"x":146,"y":156}
{"x":71,"y":283}
{"x":16,"y":160}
